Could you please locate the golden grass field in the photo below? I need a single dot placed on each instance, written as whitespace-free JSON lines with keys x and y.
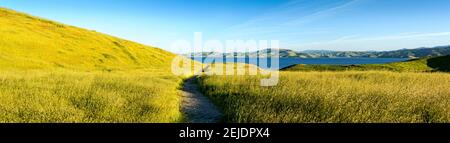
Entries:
{"x":52,"y":72}
{"x":333,"y":97}
{"x":37,"y":96}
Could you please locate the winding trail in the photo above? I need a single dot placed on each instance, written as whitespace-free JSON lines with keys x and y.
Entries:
{"x":196,"y":107}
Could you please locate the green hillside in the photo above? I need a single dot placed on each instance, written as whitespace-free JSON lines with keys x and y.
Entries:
{"x":415,"y":65}
{"x":29,"y":42}
{"x":52,"y":72}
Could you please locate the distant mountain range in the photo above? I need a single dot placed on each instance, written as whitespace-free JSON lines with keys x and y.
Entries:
{"x":286,"y":53}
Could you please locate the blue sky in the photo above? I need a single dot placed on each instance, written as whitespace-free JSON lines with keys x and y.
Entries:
{"x":299,"y":24}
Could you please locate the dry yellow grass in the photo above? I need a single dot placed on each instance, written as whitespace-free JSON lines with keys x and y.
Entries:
{"x":52,"y":72}
{"x":61,"y":96}
{"x":355,"y":97}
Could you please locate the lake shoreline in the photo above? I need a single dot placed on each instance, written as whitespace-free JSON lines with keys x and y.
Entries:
{"x":286,"y":62}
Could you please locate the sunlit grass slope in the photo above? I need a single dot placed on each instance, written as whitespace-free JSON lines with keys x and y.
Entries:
{"x":88,"y":97}
{"x":29,"y":42}
{"x":416,"y":65}
{"x":52,"y":72}
{"x":348,"y":96}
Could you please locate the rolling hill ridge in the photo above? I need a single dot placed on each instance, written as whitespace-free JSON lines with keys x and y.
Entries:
{"x":29,"y":42}
{"x":429,"y":64}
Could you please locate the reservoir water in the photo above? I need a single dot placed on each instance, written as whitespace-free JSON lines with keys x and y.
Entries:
{"x":286,"y":62}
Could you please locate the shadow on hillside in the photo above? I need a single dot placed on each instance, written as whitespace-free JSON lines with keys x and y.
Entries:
{"x":440,"y":63}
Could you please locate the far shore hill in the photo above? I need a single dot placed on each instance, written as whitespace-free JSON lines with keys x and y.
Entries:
{"x":286,"y":53}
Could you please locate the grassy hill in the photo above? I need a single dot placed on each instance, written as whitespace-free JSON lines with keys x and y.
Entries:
{"x":415,"y":65}
{"x":30,"y":42}
{"x":52,"y":72}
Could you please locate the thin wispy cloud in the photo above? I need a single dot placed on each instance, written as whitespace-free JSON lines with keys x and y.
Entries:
{"x":355,"y":43}
{"x":320,"y":14}
{"x":408,"y":36}
{"x":287,"y":19}
{"x":340,"y":25}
